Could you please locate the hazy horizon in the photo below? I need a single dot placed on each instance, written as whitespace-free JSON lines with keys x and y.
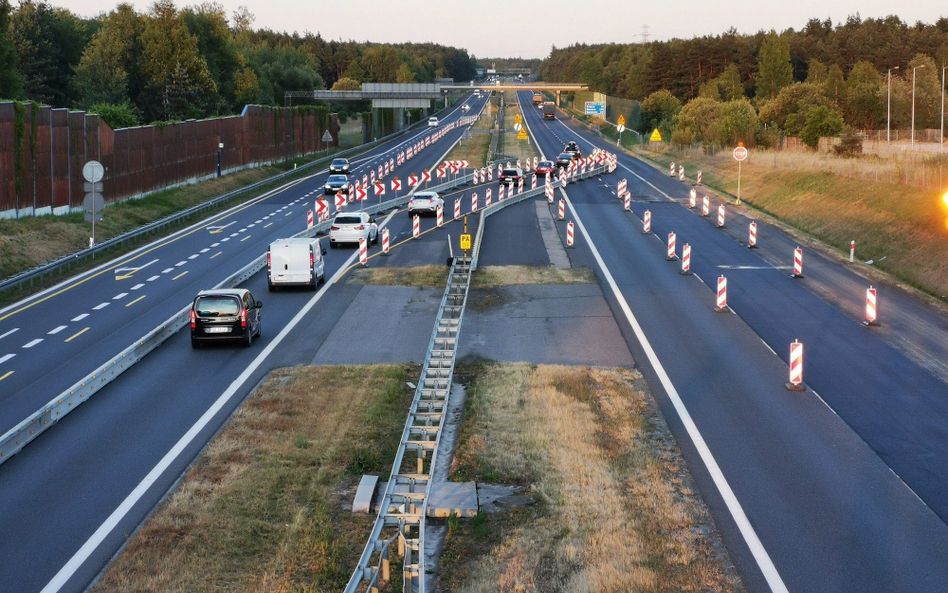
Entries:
{"x":515,"y":31}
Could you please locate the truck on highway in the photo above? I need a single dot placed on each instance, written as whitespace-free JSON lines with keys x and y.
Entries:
{"x":549,"y":110}
{"x":537,"y":97}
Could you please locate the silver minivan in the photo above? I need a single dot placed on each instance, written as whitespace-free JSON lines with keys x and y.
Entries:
{"x":295,"y":262}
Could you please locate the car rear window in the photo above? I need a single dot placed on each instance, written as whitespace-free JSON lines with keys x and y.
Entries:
{"x":217,"y":306}
{"x":566,"y":156}
{"x":348,"y":219}
{"x":423,"y":197}
{"x":511,"y":172}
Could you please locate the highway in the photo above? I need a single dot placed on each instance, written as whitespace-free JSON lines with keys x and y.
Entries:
{"x":70,"y":498}
{"x":843,"y":488}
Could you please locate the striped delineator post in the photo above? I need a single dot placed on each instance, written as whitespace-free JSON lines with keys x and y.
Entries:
{"x":699,"y":177}
{"x":440,"y":214}
{"x":685,"y":259}
{"x":487,"y":197}
{"x":797,"y":263}
{"x":692,"y":198}
{"x":309,"y":219}
{"x":487,"y":194}
{"x":721,"y":216}
{"x":533,"y":182}
{"x":457,"y":208}
{"x":872,"y":314}
{"x":681,"y":172}
{"x":622,"y":188}
{"x":852,"y":250}
{"x":647,"y":223}
{"x":415,"y":227}
{"x":671,"y":170}
{"x":535,"y":161}
{"x":562,"y":212}
{"x":628,"y":202}
{"x":569,"y":234}
{"x":721,"y":304}
{"x":500,"y":193}
{"x":549,"y":192}
{"x":520,"y":186}
{"x":385,"y":241}
{"x":671,"y":248}
{"x":363,"y":252}
{"x":752,"y":236}
{"x":705,"y":206}
{"x":796,"y":367}
{"x":474,"y":202}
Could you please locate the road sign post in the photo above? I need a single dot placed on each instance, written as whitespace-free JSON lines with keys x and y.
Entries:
{"x":93,"y":172}
{"x":740,"y":155}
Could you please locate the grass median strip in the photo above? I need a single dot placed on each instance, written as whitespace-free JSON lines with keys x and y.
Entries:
{"x":420,"y":276}
{"x":511,"y":275}
{"x":615,"y":509}
{"x":266,"y":506}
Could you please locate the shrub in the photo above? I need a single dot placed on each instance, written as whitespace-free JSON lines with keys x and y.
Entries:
{"x":117,"y":115}
{"x":821,"y":121}
{"x":850,"y":144}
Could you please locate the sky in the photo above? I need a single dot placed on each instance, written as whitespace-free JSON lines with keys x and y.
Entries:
{"x":505,"y":28}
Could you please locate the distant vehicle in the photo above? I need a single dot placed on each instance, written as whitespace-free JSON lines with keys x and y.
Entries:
{"x":432,"y":122}
{"x":549,"y":110}
{"x":224,"y":314}
{"x":511,"y":174}
{"x":564,"y":160}
{"x":424,"y":201}
{"x":295,"y":262}
{"x":465,"y":107}
{"x":537,"y":97}
{"x":573,"y":149}
{"x":544,"y":168}
{"x":336,"y":184}
{"x":339,"y":166}
{"x":349,"y":228}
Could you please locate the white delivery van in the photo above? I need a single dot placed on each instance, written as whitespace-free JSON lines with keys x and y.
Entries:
{"x":295,"y":262}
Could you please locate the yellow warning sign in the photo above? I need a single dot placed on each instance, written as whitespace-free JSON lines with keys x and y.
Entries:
{"x":465,"y":242}
{"x":620,"y":121}
{"x":522,"y":135}
{"x":656,"y":136}
{"x":518,"y":119}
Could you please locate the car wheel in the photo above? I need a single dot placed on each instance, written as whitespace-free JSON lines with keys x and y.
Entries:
{"x":259,"y":328}
{"x":248,"y":339}
{"x":271,"y":287}
{"x":315,"y":282}
{"x":332,"y":244}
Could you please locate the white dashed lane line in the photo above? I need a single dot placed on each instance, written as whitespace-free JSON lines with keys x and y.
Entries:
{"x":137,"y":286}
{"x":214,"y":244}
{"x":119,"y":296}
{"x":225,"y":239}
{"x":180,"y":263}
{"x":205,"y":250}
{"x":80,"y":317}
{"x":166,"y":270}
{"x":33,"y":343}
{"x":14,"y":330}
{"x":194,"y":256}
{"x":56,"y":330}
{"x":100,"y":306}
{"x":6,"y":357}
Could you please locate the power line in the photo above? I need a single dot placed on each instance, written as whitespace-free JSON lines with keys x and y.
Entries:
{"x":644,"y":34}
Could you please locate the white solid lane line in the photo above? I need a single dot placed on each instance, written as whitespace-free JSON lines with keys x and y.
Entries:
{"x":56,"y":330}
{"x":120,"y":296}
{"x":80,"y":317}
{"x":100,"y":306}
{"x":33,"y":343}
{"x":6,"y":357}
{"x":14,"y":330}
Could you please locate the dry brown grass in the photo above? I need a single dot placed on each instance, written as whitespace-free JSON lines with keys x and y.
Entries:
{"x":511,"y":275}
{"x":474,"y":149}
{"x":904,"y":224}
{"x":616,"y":511}
{"x":264,"y":508}
{"x":420,"y":276}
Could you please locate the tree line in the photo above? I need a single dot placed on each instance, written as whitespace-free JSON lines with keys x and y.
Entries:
{"x":753,"y":88}
{"x":166,"y":64}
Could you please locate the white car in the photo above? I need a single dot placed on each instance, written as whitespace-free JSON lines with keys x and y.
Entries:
{"x":295,"y":262}
{"x":432,"y":122}
{"x":424,"y":201}
{"x":351,"y":226}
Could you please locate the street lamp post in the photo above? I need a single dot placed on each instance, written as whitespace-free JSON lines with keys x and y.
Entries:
{"x":913,"y":103}
{"x":220,"y":149}
{"x":888,"y":108}
{"x":941,"y":135}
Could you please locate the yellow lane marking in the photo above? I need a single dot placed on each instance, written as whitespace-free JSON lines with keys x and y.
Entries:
{"x":245,"y":238}
{"x":8,"y":373}
{"x":76,"y":335}
{"x":179,"y":275}
{"x":216,"y":254}
{"x":109,"y":269}
{"x":268,"y":224}
{"x":135,"y":301}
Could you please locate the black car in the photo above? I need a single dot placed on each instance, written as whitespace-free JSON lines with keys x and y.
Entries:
{"x":224,"y":315}
{"x":336,"y":184}
{"x":563,"y":160}
{"x":573,"y":149}
{"x":511,"y":174}
{"x":339,"y":166}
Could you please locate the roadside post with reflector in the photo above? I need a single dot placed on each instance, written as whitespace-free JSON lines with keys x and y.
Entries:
{"x":872,"y":313}
{"x":796,"y":367}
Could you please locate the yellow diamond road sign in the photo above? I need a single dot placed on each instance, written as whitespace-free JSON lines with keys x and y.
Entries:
{"x":465,"y":242}
{"x":522,"y":135}
{"x":656,"y":136}
{"x":620,"y":121}
{"x":518,"y":119}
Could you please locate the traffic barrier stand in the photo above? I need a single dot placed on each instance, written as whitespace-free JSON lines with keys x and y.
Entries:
{"x":562,"y":212}
{"x":852,"y":250}
{"x":440,"y":213}
{"x":569,"y":234}
{"x":797,"y":263}
{"x":699,"y":178}
{"x":647,"y":223}
{"x":671,"y":170}
{"x":487,"y":196}
{"x":872,"y":315}
{"x":721,"y":306}
{"x":385,"y":241}
{"x":692,"y":198}
{"x":671,"y":248}
{"x":520,"y":186}
{"x":533,"y":182}
{"x":500,"y":193}
{"x":796,"y":367}
{"x":309,"y":219}
{"x":622,"y":188}
{"x":457,"y":208}
{"x":628,"y":202}
{"x":752,"y":236}
{"x":685,"y":259}
{"x":705,"y":206}
{"x":415,"y":227}
{"x":721,"y":216}
{"x":363,"y":252}
{"x":549,"y":192}
{"x":474,"y":202}
{"x":681,"y":172}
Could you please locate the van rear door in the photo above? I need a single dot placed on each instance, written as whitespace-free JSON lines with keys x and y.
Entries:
{"x":289,"y":263}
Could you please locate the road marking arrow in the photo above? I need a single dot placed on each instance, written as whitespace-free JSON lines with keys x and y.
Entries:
{"x":218,"y":228}
{"x":126,"y":273}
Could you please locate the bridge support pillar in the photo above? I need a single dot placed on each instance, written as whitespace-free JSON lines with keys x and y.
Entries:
{"x":557,"y":98}
{"x":399,"y":119}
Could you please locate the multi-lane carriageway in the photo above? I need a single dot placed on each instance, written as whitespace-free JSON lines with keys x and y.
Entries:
{"x":70,"y":498}
{"x":842,"y":488}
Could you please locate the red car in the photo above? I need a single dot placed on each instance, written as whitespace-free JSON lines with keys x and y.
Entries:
{"x":544,"y":168}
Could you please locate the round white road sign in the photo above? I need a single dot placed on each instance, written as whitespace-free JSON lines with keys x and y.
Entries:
{"x":93,"y":171}
{"x":740,"y":153}
{"x":517,"y":127}
{"x":621,"y":128}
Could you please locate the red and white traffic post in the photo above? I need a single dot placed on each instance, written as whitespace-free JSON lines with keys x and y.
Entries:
{"x":685,"y":259}
{"x":500,"y":193}
{"x":363,"y":252}
{"x":385,"y":241}
{"x":699,"y":178}
{"x":705,"y":206}
{"x":647,"y":223}
{"x":671,"y":169}
{"x":628,"y":202}
{"x":752,"y":236}
{"x":533,"y":182}
{"x":872,"y":314}
{"x":721,"y":216}
{"x":309,"y":219}
{"x":692,"y":198}
{"x":457,"y":208}
{"x":797,"y":263}
{"x":520,"y":186}
{"x":721,"y":304}
{"x":415,"y":227}
{"x":440,"y":213}
{"x":474,"y":202}
{"x":549,"y":191}
{"x":623,"y":188}
{"x":796,"y":367}
{"x":852,"y":250}
{"x":562,"y":212}
{"x":671,"y":248}
{"x":569,"y":234}
{"x":681,"y":172}
{"x":487,"y":197}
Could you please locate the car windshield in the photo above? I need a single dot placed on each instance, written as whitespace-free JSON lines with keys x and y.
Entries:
{"x":350,"y":219}
{"x":216,"y":306}
{"x":337,"y":179}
